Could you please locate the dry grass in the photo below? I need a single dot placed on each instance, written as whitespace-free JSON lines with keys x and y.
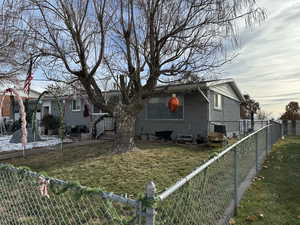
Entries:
{"x":93,"y":165}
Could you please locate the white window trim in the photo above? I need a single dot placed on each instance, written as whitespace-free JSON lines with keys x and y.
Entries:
{"x":181,"y":119}
{"x":76,"y":110}
{"x":220,"y":103}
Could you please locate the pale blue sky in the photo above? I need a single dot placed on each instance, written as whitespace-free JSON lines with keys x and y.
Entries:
{"x":268,"y":65}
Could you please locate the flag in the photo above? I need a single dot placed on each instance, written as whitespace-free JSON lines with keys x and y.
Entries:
{"x":28,"y":80}
{"x":28,"y":83}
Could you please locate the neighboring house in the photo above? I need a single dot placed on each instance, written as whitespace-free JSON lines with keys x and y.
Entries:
{"x":11,"y":111}
{"x":75,"y":108}
{"x":200,"y":104}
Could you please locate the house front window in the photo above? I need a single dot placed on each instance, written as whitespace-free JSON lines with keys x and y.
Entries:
{"x":157,"y":109}
{"x":217,"y":101}
{"x":76,"y":105}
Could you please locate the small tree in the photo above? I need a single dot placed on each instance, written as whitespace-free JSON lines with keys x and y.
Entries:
{"x":251,"y":107}
{"x":50,"y":122}
{"x":291,"y":112}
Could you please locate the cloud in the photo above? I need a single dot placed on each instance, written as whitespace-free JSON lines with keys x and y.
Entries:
{"x":268,"y":66}
{"x":39,"y":86}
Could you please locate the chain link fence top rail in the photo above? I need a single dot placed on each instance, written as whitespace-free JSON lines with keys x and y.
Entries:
{"x":210,"y":194}
{"x":22,"y":202}
{"x":239,"y":128}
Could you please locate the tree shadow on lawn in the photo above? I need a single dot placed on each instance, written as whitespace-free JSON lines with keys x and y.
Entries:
{"x":157,"y":145}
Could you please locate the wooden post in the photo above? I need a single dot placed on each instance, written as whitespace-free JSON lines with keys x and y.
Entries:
{"x":150,"y":212}
{"x":23,"y":151}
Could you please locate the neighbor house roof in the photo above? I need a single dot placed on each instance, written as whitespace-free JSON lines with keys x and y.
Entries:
{"x":32,"y":93}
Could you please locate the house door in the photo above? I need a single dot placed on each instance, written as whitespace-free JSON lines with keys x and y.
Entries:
{"x":46,"y":110}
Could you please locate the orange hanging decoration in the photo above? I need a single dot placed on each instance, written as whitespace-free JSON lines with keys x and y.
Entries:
{"x":173,"y":103}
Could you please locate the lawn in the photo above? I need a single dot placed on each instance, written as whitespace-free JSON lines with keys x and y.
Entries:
{"x":274,"y":198}
{"x":93,"y":165}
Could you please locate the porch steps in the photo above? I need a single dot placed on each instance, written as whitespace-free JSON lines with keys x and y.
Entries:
{"x":107,"y":135}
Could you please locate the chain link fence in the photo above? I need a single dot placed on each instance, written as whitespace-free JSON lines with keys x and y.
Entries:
{"x":207,"y":196}
{"x":211,"y":193}
{"x":239,"y":128}
{"x":291,"y":127}
{"x":24,"y":200}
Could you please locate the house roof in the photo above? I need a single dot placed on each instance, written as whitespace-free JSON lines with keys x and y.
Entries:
{"x":70,"y":96}
{"x":32,"y":93}
{"x":232,"y":83}
{"x":202,"y":85}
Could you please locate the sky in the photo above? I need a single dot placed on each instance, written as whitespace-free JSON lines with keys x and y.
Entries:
{"x":268,"y":64}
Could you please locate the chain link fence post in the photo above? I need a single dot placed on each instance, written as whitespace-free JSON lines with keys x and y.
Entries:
{"x":139,"y":213}
{"x":239,"y":129}
{"x":256,"y":153}
{"x":150,"y":210}
{"x":267,"y":138}
{"x":282,"y":130}
{"x":236,"y":180}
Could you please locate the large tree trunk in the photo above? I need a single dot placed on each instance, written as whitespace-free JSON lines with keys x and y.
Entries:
{"x":125,"y":130}
{"x":12,"y":107}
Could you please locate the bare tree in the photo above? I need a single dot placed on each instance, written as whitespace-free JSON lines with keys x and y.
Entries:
{"x":13,"y":56}
{"x":136,"y":43}
{"x":251,"y":107}
{"x":291,"y":111}
{"x":263,"y":115}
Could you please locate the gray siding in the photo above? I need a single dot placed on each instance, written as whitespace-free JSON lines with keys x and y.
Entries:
{"x":230,"y":112}
{"x":197,"y":113}
{"x":195,"y":119}
{"x":72,"y":118}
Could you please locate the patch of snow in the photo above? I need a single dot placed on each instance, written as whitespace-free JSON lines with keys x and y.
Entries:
{"x":5,"y":145}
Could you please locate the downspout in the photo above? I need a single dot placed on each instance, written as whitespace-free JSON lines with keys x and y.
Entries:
{"x":208,"y":108}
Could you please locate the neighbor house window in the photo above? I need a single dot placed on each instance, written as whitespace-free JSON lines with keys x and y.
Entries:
{"x":157,"y":109}
{"x":76,"y":105}
{"x":217,"y":101}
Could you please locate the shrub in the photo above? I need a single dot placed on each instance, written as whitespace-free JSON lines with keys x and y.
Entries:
{"x":50,"y":122}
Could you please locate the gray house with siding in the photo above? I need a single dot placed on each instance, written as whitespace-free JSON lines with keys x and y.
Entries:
{"x":201,"y":106}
